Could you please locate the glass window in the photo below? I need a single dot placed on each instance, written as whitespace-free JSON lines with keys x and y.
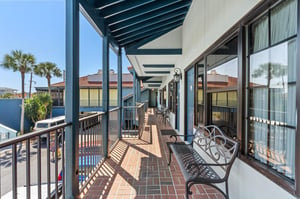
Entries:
{"x":283,"y":21}
{"x":272,"y":94}
{"x":260,"y":34}
{"x":222,"y":81}
{"x":84,"y":97}
{"x":171,"y":94}
{"x":200,"y":95}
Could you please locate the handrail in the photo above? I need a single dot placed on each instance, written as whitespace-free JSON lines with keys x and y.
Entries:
{"x":114,"y":109}
{"x":91,"y":116}
{"x":28,"y":136}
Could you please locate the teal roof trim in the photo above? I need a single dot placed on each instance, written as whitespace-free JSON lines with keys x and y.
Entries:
{"x":130,"y":23}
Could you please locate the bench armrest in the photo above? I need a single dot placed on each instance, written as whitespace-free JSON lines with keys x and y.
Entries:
{"x":175,"y":136}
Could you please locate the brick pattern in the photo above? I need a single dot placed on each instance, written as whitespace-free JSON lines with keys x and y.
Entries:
{"x":137,"y":169}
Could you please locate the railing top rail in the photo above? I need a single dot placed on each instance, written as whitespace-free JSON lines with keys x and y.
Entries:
{"x":137,"y":106}
{"x":32,"y":135}
{"x":91,"y":116}
{"x":114,"y":109}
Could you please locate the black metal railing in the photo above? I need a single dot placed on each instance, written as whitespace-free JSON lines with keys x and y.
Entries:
{"x":90,"y":147}
{"x":133,"y":120}
{"x":30,"y":164}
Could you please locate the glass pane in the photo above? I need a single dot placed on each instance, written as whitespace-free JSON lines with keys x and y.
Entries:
{"x":232,"y":99}
{"x":222,"y":99}
{"x":94,"y":97}
{"x":190,"y":102}
{"x":260,"y":34}
{"x":200,"y":97}
{"x":283,"y":21}
{"x":272,"y":107}
{"x":84,"y":97}
{"x":223,"y":76}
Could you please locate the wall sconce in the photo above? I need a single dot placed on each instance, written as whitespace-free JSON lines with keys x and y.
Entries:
{"x":177,"y":74}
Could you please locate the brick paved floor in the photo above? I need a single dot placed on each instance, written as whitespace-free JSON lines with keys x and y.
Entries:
{"x":137,"y":168}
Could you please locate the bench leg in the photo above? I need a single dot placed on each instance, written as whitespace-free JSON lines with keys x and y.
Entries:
{"x":170,"y":154}
{"x":187,"y":190}
{"x":226,"y":186}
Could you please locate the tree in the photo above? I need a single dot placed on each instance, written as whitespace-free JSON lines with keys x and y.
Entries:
{"x":38,"y":107}
{"x":7,"y":96}
{"x":47,"y":69}
{"x":22,"y":62}
{"x":271,"y":71}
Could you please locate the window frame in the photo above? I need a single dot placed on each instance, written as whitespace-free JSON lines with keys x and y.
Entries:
{"x":246,"y":50}
{"x":241,"y":28}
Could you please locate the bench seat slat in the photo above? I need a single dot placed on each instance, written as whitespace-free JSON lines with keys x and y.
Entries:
{"x":187,"y":155}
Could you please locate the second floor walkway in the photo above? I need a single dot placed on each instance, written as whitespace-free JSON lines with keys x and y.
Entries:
{"x":137,"y":169}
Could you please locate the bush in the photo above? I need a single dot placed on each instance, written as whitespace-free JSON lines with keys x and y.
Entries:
{"x":38,"y":107}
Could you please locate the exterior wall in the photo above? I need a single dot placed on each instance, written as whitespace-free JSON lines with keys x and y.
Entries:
{"x":10,"y":114}
{"x":204,"y":24}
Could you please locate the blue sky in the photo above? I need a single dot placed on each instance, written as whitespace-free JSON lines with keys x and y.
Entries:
{"x":38,"y":27}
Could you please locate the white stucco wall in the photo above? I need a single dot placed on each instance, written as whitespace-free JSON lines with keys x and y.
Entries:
{"x":205,"y":23}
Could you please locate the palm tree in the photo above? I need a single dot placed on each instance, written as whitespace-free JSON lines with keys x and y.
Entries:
{"x":22,"y":62}
{"x":47,"y":69}
{"x":19,"y":61}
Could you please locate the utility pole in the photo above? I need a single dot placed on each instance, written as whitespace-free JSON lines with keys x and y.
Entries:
{"x":30,"y":83}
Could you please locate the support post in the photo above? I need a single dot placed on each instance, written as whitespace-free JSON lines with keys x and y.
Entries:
{"x":138,"y":90}
{"x":120,"y":92}
{"x":72,"y":99}
{"x":134,"y":89}
{"x":105,"y":93}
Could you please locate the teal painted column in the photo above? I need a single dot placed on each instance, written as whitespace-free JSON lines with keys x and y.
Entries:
{"x":120,"y":92}
{"x":105,"y":94}
{"x":138,"y":90}
{"x":72,"y":99}
{"x":134,"y":89}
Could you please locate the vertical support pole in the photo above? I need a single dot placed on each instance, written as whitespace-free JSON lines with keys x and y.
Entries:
{"x":138,"y":90}
{"x":105,"y":92}
{"x":72,"y":99}
{"x":120,"y":92}
{"x":134,"y":89}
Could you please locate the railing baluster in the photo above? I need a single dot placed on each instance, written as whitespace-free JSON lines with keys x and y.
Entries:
{"x":14,"y":171}
{"x":63,"y":162}
{"x":39,"y":168}
{"x":80,"y":150}
{"x":28,"y":169}
{"x":56,"y":164}
{"x":48,"y":165}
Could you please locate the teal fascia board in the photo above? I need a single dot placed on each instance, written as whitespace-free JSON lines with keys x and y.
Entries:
{"x":154,"y":85}
{"x":157,"y":72}
{"x":177,"y":51}
{"x":158,"y":65}
{"x":149,"y":82}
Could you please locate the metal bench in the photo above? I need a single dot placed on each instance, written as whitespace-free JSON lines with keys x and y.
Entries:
{"x":207,"y":159}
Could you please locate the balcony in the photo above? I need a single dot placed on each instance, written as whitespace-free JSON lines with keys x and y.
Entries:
{"x":135,"y":168}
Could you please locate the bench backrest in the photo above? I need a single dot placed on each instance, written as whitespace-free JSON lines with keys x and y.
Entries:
{"x":220,"y":148}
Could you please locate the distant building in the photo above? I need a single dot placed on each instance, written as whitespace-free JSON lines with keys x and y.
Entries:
{"x":5,"y":90}
{"x":91,"y":89}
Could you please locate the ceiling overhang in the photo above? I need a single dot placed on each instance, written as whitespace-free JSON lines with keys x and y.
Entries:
{"x":149,"y":30}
